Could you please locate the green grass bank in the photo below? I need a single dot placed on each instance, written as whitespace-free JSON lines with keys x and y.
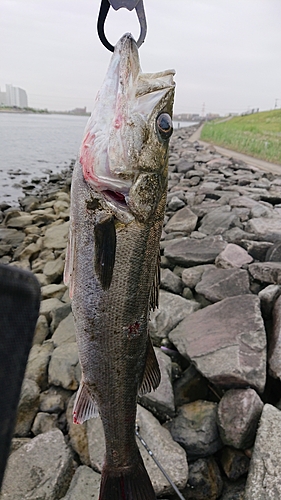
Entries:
{"x":257,"y":135}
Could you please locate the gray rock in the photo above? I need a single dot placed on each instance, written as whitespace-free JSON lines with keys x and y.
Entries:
{"x":54,"y":400}
{"x":53,"y":270}
{"x":49,"y":305}
{"x":96,"y":443}
{"x":239,"y":412}
{"x":217,"y":284}
{"x":233,"y":256}
{"x":41,"y":330}
{"x":53,"y":291}
{"x":58,"y":314}
{"x":37,"y":364}
{"x":268,"y":297}
{"x":65,"y":332}
{"x":175,"y":203}
{"x":195,"y":429}
{"x":161,"y":401}
{"x":64,"y":367}
{"x":257,"y":249}
{"x":234,"y":491}
{"x":265,"y":228}
{"x":205,"y":480}
{"x":184,"y":221}
{"x":78,"y":435}
{"x":219,"y":220}
{"x":56,"y":236}
{"x":190,"y":387}
{"x":192,"y":275}
{"x":227,"y":341}
{"x":19,"y":222}
{"x":85,"y":484}
{"x":274,"y":353}
{"x":266,"y":272}
{"x":41,"y":469}
{"x":11,"y":237}
{"x":274,"y":253}
{"x":44,"y":422}
{"x":189,"y":252}
{"x":264,"y":478}
{"x":172,"y":309}
{"x":27,"y":407}
{"x":170,"y":282}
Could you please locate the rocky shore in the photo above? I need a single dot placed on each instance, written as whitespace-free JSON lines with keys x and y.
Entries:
{"x":214,"y":423}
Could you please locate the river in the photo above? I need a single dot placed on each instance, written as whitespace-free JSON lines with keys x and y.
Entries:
{"x":33,"y":146}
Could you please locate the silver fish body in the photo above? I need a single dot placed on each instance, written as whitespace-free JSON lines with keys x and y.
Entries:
{"x":117,"y":207}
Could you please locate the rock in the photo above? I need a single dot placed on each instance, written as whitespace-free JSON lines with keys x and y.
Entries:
{"x":54,"y":400}
{"x":41,"y":469}
{"x":219,"y":220}
{"x":233,"y":256}
{"x":30,"y":252}
{"x":160,"y":442}
{"x":11,"y":236}
{"x":172,"y":309}
{"x":190,"y":387}
{"x":257,"y":249}
{"x":53,"y":270}
{"x":234,"y":463}
{"x":78,"y":435}
{"x":239,"y":412}
{"x":49,"y":305}
{"x":37,"y":364}
{"x":192,"y":275}
{"x":234,"y":491}
{"x":65,"y":332}
{"x":227,"y":341}
{"x":44,"y":422}
{"x":189,"y":252}
{"x":53,"y":291}
{"x":274,"y":253}
{"x":56,"y":236}
{"x":195,"y":429}
{"x":175,"y":203}
{"x":268,"y":297}
{"x":27,"y":407}
{"x":264,"y":478}
{"x":161,"y":401}
{"x":217,"y":284}
{"x":267,"y":229}
{"x":165,"y":450}
{"x":266,"y":272}
{"x":274,"y":354}
{"x":19,"y":222}
{"x":184,"y":221}
{"x":41,"y":330}
{"x":205,"y":480}
{"x":64,"y":367}
{"x":170,"y":282}
{"x":58,"y":314}
{"x":85,"y":484}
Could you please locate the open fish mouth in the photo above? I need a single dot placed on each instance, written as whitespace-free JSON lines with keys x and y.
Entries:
{"x":121,"y":124}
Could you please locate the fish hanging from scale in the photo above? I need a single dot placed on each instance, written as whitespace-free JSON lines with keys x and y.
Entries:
{"x":118,"y":198}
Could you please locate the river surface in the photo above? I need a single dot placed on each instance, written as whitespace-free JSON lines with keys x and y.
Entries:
{"x":33,"y":146}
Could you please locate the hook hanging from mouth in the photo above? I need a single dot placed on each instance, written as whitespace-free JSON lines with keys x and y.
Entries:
{"x":118,"y":4}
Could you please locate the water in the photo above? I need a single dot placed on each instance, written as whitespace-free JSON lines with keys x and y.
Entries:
{"x":34,"y":146}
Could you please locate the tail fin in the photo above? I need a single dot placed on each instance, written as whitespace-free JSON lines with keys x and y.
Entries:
{"x":131,"y":483}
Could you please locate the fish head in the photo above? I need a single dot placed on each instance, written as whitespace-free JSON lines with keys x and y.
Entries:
{"x":124,"y":153}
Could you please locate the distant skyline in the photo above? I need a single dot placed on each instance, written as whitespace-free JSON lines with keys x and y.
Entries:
{"x":227,"y":55}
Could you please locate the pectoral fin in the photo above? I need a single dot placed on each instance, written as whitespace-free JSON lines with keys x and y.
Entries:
{"x":105,"y":248}
{"x":84,"y":406}
{"x":152,"y":374}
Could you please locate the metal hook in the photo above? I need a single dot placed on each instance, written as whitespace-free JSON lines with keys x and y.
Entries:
{"x":118,"y":4}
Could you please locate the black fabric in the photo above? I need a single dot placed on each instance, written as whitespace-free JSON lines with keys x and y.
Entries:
{"x":19,"y":307}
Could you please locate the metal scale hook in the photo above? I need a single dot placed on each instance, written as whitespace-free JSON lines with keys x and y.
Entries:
{"x":116,"y":5}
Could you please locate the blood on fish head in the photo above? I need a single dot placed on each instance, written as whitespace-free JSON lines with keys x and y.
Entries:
{"x":124,"y":150}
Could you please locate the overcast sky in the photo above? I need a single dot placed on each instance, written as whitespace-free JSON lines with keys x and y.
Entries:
{"x":226,"y":53}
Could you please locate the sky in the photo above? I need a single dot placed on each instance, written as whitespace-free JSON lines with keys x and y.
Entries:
{"x":226,"y":53}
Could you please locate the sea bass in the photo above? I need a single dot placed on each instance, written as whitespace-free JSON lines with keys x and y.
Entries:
{"x":118,"y":198}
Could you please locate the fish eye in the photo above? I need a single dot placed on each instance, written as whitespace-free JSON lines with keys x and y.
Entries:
{"x":164,"y":125}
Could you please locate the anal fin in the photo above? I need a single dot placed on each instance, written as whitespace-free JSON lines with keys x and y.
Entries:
{"x":84,"y":406}
{"x":152,"y":374}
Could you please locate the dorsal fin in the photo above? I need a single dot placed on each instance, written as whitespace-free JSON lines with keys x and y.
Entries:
{"x":152,"y":374}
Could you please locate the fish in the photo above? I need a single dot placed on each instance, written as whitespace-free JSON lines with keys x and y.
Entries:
{"x":118,"y":198}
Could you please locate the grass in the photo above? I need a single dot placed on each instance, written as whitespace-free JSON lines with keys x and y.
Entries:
{"x":257,"y":135}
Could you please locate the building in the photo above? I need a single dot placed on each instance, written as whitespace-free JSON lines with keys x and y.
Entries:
{"x":14,"y":96}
